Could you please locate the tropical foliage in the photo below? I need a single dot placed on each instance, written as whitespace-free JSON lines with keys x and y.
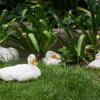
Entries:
{"x":30,"y":24}
{"x":88,"y":39}
{"x":5,"y":22}
{"x":32,"y":32}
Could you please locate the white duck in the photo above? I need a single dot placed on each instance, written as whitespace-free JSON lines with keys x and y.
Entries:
{"x":14,"y":53}
{"x":21,"y":72}
{"x":8,"y":54}
{"x":52,"y":58}
{"x":5,"y":56}
{"x":96,"y":62}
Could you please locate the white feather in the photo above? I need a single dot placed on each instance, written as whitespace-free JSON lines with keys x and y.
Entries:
{"x":48,"y":60}
{"x":96,"y":62}
{"x":21,"y":72}
{"x":8,"y":54}
{"x":51,"y":61}
{"x":14,"y":53}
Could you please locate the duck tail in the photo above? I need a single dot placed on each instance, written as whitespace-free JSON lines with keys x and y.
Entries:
{"x":0,"y":72}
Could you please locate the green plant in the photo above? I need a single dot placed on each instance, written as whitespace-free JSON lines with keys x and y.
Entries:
{"x":31,"y":30}
{"x":64,"y":5}
{"x":88,"y":39}
{"x":91,"y":32}
{"x":6,"y":19}
{"x":72,"y":40}
{"x":9,"y":4}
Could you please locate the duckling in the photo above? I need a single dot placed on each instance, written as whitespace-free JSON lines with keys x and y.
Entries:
{"x":21,"y":72}
{"x":8,"y":54}
{"x":52,"y":58}
{"x":96,"y":62}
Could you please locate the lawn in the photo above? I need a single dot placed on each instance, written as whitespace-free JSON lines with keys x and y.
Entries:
{"x":56,"y":83}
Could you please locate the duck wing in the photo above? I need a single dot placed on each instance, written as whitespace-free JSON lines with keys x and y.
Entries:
{"x":95,"y":64}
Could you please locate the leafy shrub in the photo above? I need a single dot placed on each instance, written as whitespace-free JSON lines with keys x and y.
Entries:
{"x":79,"y":44}
{"x":31,"y":30}
{"x":91,"y":33}
{"x":10,"y":4}
{"x":6,"y":19}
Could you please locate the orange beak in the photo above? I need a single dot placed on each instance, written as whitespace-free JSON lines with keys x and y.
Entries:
{"x":34,"y":62}
{"x":55,"y":57}
{"x":97,"y":57}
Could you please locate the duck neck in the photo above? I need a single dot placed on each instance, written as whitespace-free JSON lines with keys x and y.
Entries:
{"x":31,"y":64}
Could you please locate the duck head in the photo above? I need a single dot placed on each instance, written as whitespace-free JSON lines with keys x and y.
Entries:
{"x":97,"y":56}
{"x":53,"y":55}
{"x":32,"y":59}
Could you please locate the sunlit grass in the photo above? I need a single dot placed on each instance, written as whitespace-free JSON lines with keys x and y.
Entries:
{"x":56,"y":83}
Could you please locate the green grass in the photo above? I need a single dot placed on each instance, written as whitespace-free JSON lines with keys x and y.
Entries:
{"x":56,"y":83}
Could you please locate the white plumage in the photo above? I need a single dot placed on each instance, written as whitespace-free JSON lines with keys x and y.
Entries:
{"x":8,"y":54}
{"x":21,"y":72}
{"x":52,"y":58}
{"x":14,"y":53}
{"x":96,"y":62}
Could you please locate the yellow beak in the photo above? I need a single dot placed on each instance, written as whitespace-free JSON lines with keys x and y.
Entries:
{"x":34,"y":62}
{"x":97,"y":57}
{"x":55,"y":57}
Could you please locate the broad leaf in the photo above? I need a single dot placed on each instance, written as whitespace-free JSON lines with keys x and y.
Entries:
{"x":34,"y":41}
{"x":79,"y":45}
{"x":47,"y":34}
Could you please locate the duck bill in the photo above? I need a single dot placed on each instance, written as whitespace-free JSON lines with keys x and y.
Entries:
{"x":97,"y":57}
{"x":34,"y":62}
{"x":55,"y":57}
